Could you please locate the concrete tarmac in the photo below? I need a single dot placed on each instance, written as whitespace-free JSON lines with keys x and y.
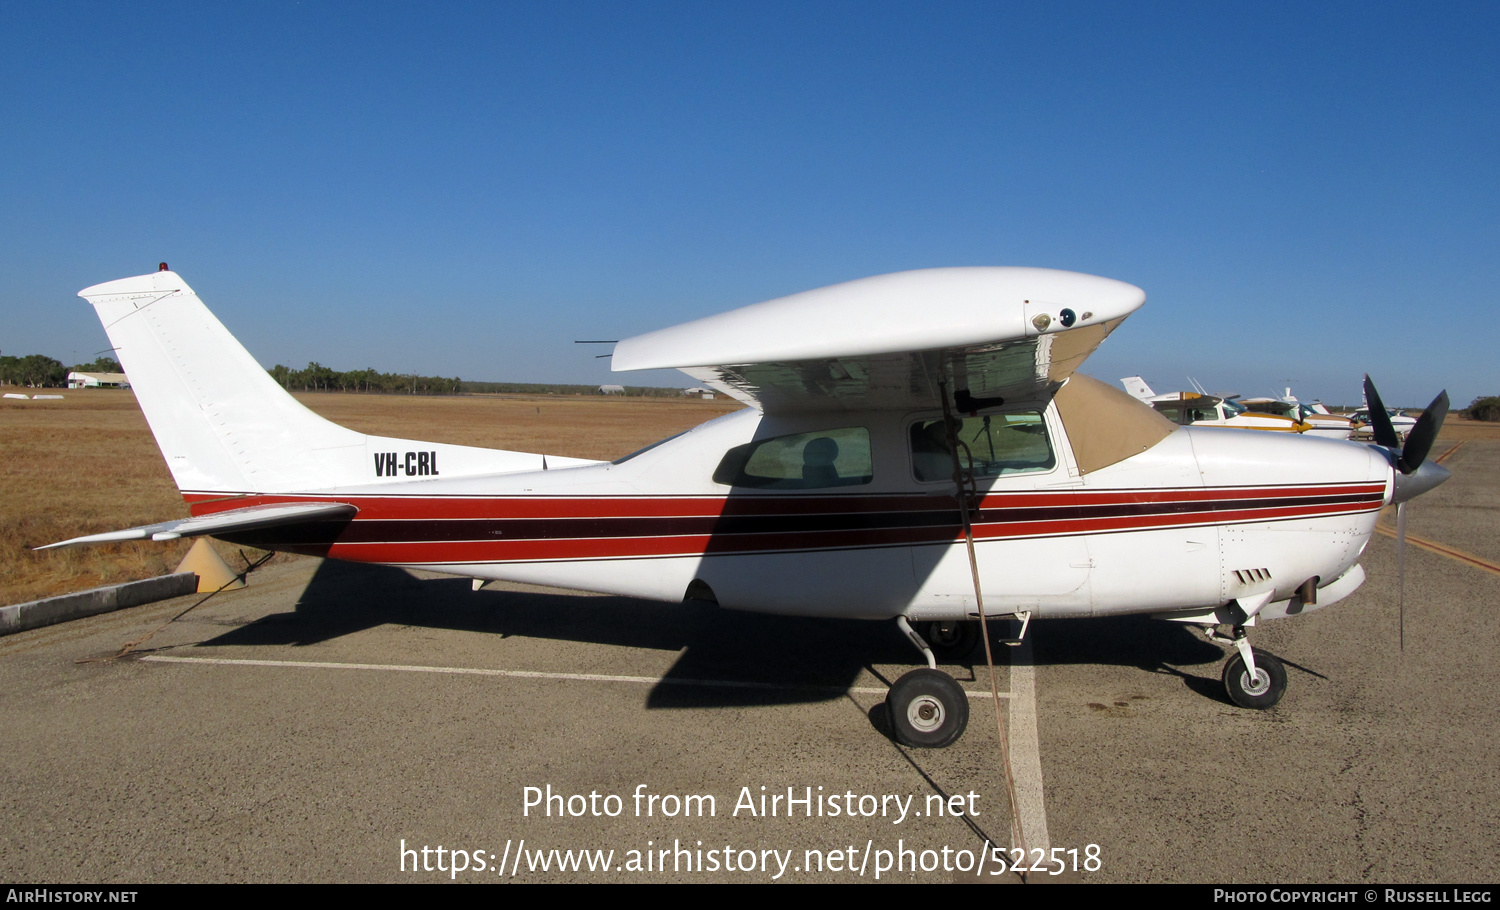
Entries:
{"x":325,"y":760}
{"x":316,"y":724}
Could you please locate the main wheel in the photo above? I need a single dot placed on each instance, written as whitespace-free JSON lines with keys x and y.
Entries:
{"x":1260,"y":692}
{"x":953,"y":640}
{"x":928,"y":709}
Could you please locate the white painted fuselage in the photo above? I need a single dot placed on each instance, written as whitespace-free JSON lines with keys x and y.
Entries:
{"x":1204,"y":517}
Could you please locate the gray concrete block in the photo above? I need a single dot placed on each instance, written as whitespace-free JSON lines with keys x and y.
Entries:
{"x":38,"y":613}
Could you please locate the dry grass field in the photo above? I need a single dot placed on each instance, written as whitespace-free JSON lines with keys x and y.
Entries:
{"x":88,"y":464}
{"x":1459,"y":429}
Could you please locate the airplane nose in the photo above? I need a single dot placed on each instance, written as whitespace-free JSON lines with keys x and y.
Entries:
{"x":1424,"y":478}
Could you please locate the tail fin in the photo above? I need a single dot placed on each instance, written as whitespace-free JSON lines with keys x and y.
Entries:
{"x":1137,"y":388}
{"x":224,"y":425}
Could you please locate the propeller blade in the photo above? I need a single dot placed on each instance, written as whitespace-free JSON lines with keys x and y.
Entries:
{"x":1401,"y":571}
{"x":1380,"y":421}
{"x":1419,"y":440}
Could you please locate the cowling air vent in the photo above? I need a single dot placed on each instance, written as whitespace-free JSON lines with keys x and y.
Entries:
{"x":1251,"y":576}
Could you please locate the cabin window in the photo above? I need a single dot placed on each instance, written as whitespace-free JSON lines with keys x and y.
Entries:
{"x":802,"y":461}
{"x":989,"y":445}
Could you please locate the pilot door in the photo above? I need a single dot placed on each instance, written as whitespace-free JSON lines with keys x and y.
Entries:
{"x":1028,"y":556}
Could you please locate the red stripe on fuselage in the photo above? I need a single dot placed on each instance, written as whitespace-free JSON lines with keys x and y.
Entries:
{"x":467,"y":529}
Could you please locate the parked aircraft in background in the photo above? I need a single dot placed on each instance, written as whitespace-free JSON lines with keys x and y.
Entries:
{"x":1399,"y":421}
{"x":916,"y":448}
{"x":1318,"y":422}
{"x":1200,"y":409}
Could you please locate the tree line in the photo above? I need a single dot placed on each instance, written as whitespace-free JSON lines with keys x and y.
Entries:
{"x":39,"y":371}
{"x":317,"y":378}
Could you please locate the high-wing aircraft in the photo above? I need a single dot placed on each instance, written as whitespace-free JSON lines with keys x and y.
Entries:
{"x":917,"y":448}
{"x":1318,"y":420}
{"x":1200,"y":409}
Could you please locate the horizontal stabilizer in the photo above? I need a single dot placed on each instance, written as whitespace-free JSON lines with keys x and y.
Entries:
{"x":221,"y":522}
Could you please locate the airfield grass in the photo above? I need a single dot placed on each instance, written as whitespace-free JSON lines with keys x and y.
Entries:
{"x":88,"y":464}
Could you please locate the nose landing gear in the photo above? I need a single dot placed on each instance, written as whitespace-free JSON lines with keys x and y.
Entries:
{"x":1252,"y":678}
{"x":1259,"y":688}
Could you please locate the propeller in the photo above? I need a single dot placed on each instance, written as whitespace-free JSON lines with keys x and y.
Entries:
{"x":1411,"y":479}
{"x":1418,"y":441}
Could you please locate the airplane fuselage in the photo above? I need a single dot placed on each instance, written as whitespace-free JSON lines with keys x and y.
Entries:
{"x":1202,"y":518}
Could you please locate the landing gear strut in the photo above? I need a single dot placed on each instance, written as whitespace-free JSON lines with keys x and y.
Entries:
{"x":1252,"y":678}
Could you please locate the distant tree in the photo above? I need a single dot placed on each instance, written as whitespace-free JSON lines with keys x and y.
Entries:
{"x":33,"y":370}
{"x":1485,"y":408}
{"x":102,"y":365}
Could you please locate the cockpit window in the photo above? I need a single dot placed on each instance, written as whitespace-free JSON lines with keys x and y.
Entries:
{"x":989,"y":445}
{"x":802,"y":461}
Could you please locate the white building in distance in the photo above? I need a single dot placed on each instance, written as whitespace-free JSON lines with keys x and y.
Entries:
{"x":98,"y":381}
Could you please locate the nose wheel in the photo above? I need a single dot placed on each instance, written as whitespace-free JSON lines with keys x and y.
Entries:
{"x":1252,"y":678}
{"x":1258,"y":688}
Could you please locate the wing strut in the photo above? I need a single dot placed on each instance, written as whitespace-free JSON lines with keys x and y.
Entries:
{"x":967,"y":496}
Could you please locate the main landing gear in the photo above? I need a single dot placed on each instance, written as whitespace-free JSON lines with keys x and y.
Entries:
{"x":1252,"y":678}
{"x":927,"y":707}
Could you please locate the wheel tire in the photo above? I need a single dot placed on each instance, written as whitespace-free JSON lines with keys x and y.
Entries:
{"x":927,"y":709}
{"x":951,"y":640}
{"x":1263,"y":691}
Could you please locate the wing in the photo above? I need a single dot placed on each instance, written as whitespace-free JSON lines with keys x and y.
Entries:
{"x":222,"y":522}
{"x":890,"y":340}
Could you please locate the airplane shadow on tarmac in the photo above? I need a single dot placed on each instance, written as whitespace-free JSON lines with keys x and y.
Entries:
{"x":784,"y":660}
{"x":1151,"y":645}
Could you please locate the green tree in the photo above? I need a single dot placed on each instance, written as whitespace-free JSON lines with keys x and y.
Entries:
{"x":101,"y":365}
{"x":1485,"y":408}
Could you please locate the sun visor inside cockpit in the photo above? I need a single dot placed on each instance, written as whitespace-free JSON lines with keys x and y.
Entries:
{"x":1106,"y":425}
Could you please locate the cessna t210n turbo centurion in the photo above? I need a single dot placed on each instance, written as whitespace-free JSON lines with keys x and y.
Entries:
{"x":917,"y":448}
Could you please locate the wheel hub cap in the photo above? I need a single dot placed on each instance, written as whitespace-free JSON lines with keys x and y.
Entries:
{"x":925,"y":713}
{"x":1260,"y":684}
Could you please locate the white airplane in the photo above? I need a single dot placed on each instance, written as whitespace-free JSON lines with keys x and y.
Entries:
{"x":1200,"y":409}
{"x":1318,"y":420}
{"x":1399,"y":420}
{"x":917,"y":449}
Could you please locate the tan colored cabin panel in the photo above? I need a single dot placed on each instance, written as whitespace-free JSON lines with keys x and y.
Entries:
{"x":1105,"y":425}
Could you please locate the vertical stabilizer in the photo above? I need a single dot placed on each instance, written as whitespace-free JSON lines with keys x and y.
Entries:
{"x":1137,"y":388}
{"x":223,"y":424}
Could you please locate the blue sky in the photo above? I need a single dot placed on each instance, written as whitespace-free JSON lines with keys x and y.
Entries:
{"x":1305,"y":191}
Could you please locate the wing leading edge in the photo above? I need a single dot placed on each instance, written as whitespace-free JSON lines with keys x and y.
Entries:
{"x":887,"y":341}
